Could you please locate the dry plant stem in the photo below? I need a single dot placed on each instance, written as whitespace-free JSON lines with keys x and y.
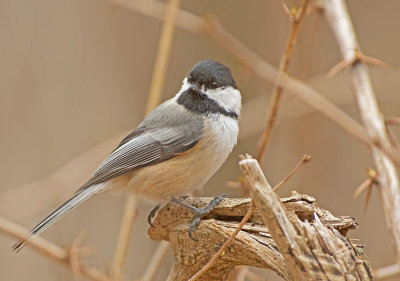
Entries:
{"x":298,"y":89}
{"x":50,"y":250}
{"x":157,"y":83}
{"x":249,"y":213}
{"x":388,"y":178}
{"x":306,"y":158}
{"x":393,"y":121}
{"x":155,"y":261}
{"x":311,"y":250}
{"x":226,"y":244}
{"x":66,"y":178}
{"x":262,"y":193}
{"x":253,"y":277}
{"x":264,"y":70}
{"x":386,"y":272}
{"x":125,"y":232}
{"x":163,"y":53}
{"x":253,"y":245}
{"x":295,"y":20}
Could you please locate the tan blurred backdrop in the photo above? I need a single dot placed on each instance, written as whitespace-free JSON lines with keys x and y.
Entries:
{"x":75,"y":75}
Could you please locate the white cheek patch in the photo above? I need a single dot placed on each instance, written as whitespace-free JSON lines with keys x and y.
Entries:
{"x":185,"y":85}
{"x":229,"y":98}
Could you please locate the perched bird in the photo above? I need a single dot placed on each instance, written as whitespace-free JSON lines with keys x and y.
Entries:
{"x":175,"y":149}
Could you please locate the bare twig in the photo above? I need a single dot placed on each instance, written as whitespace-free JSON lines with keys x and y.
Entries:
{"x":306,"y":158}
{"x":155,"y":261}
{"x":388,"y":178}
{"x":372,"y":178}
{"x":51,"y":251}
{"x":393,"y":121}
{"x":296,"y":18}
{"x":66,"y":178}
{"x":157,"y":84}
{"x":254,"y":277}
{"x":311,"y":250}
{"x":367,"y":185}
{"x":264,"y":70}
{"x":254,"y":242}
{"x":249,"y":213}
{"x":125,"y":232}
{"x":386,"y":272}
{"x":163,"y":54}
{"x":226,"y":244}
{"x":358,"y":57}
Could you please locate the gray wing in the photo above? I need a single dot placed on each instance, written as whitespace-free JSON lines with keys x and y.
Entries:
{"x":144,"y":147}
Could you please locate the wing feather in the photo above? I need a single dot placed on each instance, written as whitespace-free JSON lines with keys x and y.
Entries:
{"x":143,"y":148}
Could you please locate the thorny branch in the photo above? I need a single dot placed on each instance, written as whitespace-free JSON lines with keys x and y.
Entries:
{"x":154,"y":98}
{"x":254,"y":245}
{"x":306,"y":158}
{"x":52,"y":251}
{"x":225,"y":245}
{"x":388,"y":178}
{"x":296,"y":18}
{"x":310,"y":250}
{"x":211,"y":27}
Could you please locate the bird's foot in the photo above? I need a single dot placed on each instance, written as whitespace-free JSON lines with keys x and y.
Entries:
{"x":199,"y":212}
{"x":152,"y":214}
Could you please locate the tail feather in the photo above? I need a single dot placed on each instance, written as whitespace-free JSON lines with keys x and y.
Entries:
{"x":58,"y":213}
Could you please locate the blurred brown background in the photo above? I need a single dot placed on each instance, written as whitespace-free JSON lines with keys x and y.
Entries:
{"x":74,"y":78}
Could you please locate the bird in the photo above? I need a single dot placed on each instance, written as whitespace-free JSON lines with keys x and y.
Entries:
{"x":175,"y":149}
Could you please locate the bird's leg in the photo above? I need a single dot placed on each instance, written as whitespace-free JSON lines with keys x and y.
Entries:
{"x":152,"y":214}
{"x":199,"y":212}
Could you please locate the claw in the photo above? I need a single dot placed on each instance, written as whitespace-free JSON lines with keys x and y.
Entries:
{"x":195,"y":222}
{"x":199,"y":212}
{"x":152,"y":214}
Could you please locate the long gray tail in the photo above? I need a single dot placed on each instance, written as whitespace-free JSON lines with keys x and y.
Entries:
{"x":58,"y":213}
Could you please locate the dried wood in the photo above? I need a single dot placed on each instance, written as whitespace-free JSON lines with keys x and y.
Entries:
{"x":312,"y":250}
{"x":255,"y":245}
{"x":384,"y":154}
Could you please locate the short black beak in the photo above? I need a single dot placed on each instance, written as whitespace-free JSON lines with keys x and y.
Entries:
{"x":195,"y":89}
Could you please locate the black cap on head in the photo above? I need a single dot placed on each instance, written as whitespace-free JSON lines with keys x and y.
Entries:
{"x":212,"y":75}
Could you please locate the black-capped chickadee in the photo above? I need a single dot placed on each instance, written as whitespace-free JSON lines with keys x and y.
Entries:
{"x":175,"y":149}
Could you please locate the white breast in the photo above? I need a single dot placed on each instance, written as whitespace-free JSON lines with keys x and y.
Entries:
{"x":191,"y":169}
{"x":220,"y":136}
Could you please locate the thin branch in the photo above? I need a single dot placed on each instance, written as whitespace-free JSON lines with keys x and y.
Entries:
{"x":386,"y":271}
{"x":163,"y":54}
{"x":367,"y":185}
{"x":306,"y":158}
{"x":66,"y":178}
{"x":157,"y":84}
{"x":295,"y":20}
{"x":155,"y":261}
{"x":254,"y":242}
{"x":253,"y":277}
{"x":210,"y":26}
{"x":124,"y":236}
{"x":372,"y":179}
{"x":358,"y":57}
{"x":311,"y":250}
{"x":393,"y":121}
{"x":225,"y":245}
{"x":51,"y":251}
{"x":338,"y":17}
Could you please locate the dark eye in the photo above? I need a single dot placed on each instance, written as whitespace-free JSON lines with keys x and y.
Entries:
{"x":214,"y":85}
{"x":189,"y":78}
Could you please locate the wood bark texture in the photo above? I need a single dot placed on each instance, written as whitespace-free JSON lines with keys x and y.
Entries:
{"x":292,"y":236}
